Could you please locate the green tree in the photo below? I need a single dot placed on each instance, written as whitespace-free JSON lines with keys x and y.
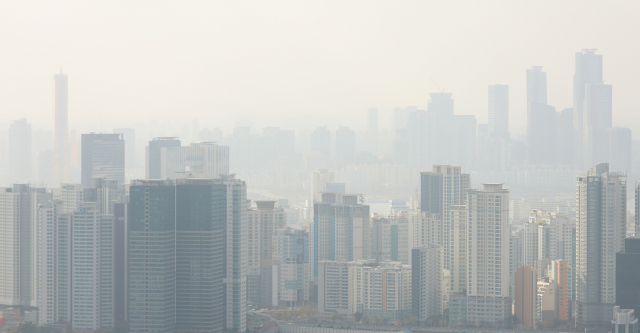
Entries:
{"x":357,"y":316}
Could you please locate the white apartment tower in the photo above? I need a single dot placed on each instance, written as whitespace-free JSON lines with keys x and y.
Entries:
{"x":18,"y":216}
{"x":92,"y":269}
{"x":489,"y":242}
{"x":459,"y":248}
{"x":53,"y":260}
{"x":601,"y":219}
{"x":445,"y":186}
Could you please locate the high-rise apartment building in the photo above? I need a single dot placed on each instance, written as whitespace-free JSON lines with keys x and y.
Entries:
{"x":489,"y":241}
{"x":336,"y":280}
{"x":173,"y":224}
{"x":262,"y":222}
{"x":384,"y":290}
{"x":19,"y":151}
{"x":499,"y":111}
{"x":391,"y":239}
{"x":445,"y":186}
{"x":91,"y":269}
{"x":375,"y":290}
{"x":203,"y":157}
{"x":102,"y":156}
{"x":153,"y":168}
{"x":18,"y":215}
{"x":459,"y":247}
{"x":53,"y":263}
{"x":427,"y":282}
{"x":61,"y":151}
{"x":341,"y":229}
{"x":488,"y":259}
{"x":525,"y":296}
{"x":292,"y":274}
{"x":588,"y":71}
{"x":601,"y":220}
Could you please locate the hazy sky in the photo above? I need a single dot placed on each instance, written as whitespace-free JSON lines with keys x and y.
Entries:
{"x":220,"y":61}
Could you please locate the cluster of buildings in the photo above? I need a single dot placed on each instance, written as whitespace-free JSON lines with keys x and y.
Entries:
{"x":185,"y":250}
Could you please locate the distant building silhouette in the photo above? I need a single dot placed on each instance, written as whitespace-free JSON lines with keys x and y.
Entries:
{"x":103,"y":155}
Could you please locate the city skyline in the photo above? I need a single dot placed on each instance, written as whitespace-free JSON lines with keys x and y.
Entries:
{"x":414,"y":67}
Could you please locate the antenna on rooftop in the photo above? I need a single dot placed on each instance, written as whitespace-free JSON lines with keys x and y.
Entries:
{"x":434,"y":83}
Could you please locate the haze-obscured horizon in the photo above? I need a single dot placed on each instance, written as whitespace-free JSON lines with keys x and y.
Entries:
{"x":302,"y":64}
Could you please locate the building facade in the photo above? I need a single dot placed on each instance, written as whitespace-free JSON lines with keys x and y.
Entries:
{"x":262,"y":222}
{"x":427,"y":282}
{"x":292,"y":275}
{"x":600,"y":233}
{"x":102,"y":156}
{"x":202,"y":157}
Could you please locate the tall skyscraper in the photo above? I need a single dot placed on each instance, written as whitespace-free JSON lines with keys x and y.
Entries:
{"x":601,"y":213}
{"x":321,"y":142}
{"x":588,"y":71}
{"x":129,"y":136}
{"x":536,"y":85}
{"x":174,"y":224}
{"x":20,"y":151}
{"x":445,"y":186}
{"x":597,"y":118}
{"x":154,"y":155}
{"x":18,"y":215}
{"x":102,"y":156}
{"x":440,"y":128}
{"x":541,"y":133}
{"x":564,"y":137}
{"x":207,"y":158}
{"x":61,"y":150}
{"x":499,"y":111}
{"x":541,"y":119}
